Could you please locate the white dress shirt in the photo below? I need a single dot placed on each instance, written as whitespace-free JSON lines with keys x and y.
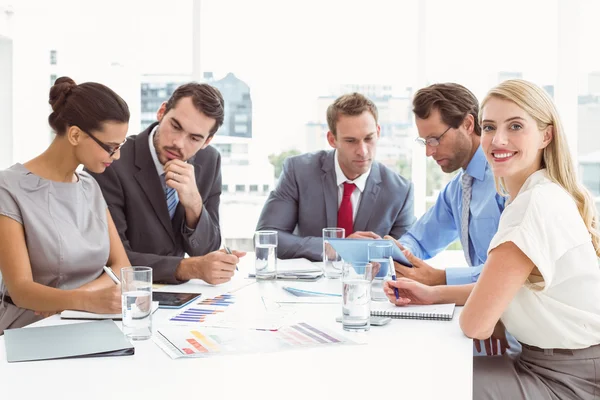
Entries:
{"x":160,"y":169}
{"x":360,"y":183}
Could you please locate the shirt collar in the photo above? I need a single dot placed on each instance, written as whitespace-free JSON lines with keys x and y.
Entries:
{"x":537,"y":177}
{"x":477,"y":165}
{"x":159,"y":167}
{"x":360,"y":182}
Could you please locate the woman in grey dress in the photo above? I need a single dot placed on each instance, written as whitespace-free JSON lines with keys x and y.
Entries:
{"x":55,"y":229}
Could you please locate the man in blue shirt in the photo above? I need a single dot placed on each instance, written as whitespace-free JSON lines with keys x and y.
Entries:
{"x":447,"y":122}
{"x":469,"y":207}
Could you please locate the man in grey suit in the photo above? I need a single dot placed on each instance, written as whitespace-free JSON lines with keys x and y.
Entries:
{"x":344,"y":187}
{"x":164,"y":191}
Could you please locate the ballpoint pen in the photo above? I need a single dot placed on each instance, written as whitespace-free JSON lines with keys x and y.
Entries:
{"x":394,"y":278}
{"x":111,"y":275}
{"x":228,"y":251}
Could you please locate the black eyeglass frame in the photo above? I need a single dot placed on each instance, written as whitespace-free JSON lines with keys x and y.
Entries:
{"x":109,"y":149}
{"x":432,"y":141}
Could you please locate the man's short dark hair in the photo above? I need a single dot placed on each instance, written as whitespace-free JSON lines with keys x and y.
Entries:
{"x":453,"y":101}
{"x":351,"y":104}
{"x":207,"y":99}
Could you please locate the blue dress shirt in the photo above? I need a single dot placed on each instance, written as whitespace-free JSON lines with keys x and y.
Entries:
{"x":440,"y":225}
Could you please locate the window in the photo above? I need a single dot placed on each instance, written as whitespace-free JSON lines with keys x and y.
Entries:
{"x":240,"y":129}
{"x":588,"y":104}
{"x":282,"y":108}
{"x":52,"y":79}
{"x":253,"y":188}
{"x":225,"y":188}
{"x":224,"y":149}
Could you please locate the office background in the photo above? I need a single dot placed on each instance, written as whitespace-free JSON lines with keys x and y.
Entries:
{"x":280,"y":64}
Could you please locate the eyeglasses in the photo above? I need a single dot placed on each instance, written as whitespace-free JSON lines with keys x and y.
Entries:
{"x":111,"y":150}
{"x":431,"y":141}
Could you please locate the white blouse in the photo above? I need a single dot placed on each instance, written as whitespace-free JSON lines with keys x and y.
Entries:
{"x":563,"y":310}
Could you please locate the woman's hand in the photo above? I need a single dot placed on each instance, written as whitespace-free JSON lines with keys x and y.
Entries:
{"x":106,"y":300}
{"x":410,"y":292}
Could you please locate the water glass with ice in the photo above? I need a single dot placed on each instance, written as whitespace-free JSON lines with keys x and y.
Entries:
{"x":356,"y":296}
{"x":380,"y":256}
{"x":265,"y":249}
{"x":332,"y":261}
{"x":136,"y":301}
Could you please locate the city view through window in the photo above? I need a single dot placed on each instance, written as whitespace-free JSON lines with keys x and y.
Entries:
{"x":280,"y":64}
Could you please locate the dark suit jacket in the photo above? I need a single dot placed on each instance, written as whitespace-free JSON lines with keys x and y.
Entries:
{"x":137,"y":203}
{"x":305,"y":202}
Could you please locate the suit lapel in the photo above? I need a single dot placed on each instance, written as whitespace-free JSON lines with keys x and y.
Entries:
{"x":368,"y":199}
{"x":330,"y":191}
{"x":149,"y":181}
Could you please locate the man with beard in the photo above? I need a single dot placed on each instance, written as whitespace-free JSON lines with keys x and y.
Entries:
{"x":164,"y":192}
{"x":468,"y":207}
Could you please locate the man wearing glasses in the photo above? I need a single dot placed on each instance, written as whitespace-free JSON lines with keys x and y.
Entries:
{"x":164,"y":191}
{"x":468,"y":207}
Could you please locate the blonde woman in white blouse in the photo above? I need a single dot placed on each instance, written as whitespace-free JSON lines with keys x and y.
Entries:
{"x":541,"y":279}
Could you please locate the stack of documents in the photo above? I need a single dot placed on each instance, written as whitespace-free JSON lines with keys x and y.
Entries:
{"x":296,"y":269}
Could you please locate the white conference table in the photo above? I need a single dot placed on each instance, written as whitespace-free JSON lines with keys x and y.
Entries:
{"x":406,"y":359}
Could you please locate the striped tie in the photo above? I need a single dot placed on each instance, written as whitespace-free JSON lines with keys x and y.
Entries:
{"x":467,"y":182}
{"x":172,"y":200}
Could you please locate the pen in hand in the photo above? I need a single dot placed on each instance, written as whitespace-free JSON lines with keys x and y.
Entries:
{"x":228,"y":251}
{"x":394,"y":278}
{"x":111,"y":275}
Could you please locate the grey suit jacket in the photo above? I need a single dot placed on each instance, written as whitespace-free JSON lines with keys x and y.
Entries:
{"x":137,"y":203}
{"x":305,"y":202}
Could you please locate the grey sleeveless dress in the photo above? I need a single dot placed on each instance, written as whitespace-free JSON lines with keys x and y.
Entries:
{"x":66,"y":233}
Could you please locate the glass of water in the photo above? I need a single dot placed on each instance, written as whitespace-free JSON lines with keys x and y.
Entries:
{"x":265,"y":249}
{"x":356,"y":292}
{"x":380,"y":256}
{"x":136,"y":301}
{"x":332,"y":262}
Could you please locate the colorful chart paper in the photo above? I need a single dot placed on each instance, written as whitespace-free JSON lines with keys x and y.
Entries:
{"x":179,"y":342}
{"x":205,"y":308}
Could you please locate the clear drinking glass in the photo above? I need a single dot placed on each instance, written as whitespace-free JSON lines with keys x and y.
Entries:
{"x":380,"y":256}
{"x":332,"y":262}
{"x":356,"y":295}
{"x":265,"y":250}
{"x":136,"y":301}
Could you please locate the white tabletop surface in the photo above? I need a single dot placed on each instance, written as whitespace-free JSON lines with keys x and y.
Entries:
{"x":406,"y":359}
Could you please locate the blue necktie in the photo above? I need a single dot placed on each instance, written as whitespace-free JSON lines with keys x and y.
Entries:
{"x":172,"y":200}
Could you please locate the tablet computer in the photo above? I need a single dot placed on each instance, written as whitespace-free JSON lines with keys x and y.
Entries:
{"x":174,"y":300}
{"x":357,"y":250}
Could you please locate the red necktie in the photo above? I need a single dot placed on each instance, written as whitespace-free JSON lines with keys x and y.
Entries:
{"x":345,"y":212}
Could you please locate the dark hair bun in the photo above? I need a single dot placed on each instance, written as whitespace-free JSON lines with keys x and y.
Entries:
{"x":60,"y":91}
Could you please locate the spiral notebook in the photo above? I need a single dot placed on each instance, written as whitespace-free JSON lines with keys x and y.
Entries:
{"x":439,"y":312}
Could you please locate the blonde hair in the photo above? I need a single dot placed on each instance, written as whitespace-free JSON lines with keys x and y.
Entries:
{"x":556,"y":157}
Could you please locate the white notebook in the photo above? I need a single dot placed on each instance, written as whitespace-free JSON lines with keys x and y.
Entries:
{"x":72,"y":314}
{"x":440,"y":312}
